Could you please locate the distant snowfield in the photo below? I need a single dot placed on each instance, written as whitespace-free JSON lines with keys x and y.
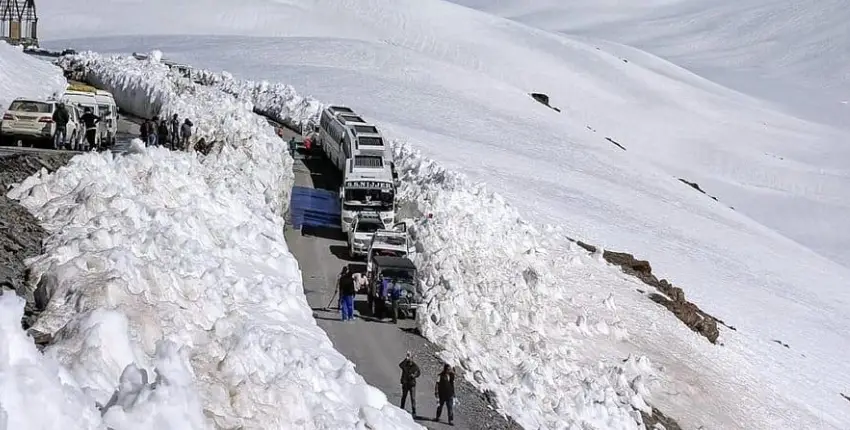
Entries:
{"x":791,"y":52}
{"x":453,"y":83}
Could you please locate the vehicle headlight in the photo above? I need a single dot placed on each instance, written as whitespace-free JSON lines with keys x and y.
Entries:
{"x":388,"y":221}
{"x":347,"y":219}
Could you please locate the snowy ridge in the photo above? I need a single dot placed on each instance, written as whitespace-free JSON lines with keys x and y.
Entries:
{"x":498,"y":307}
{"x":461,"y":290}
{"x":276,"y":100}
{"x":525,"y":311}
{"x":39,"y":81}
{"x":167,"y":245}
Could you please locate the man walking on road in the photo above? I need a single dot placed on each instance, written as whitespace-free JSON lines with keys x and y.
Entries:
{"x":90,"y":121}
{"x":395,"y":295}
{"x":444,"y":391}
{"x":409,"y":373}
{"x":61,"y":118}
{"x":346,"y":295}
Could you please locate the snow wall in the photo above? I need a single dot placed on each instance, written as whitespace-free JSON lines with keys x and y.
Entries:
{"x":174,"y":299}
{"x":502,"y":296}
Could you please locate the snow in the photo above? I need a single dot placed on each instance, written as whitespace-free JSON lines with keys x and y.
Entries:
{"x":791,"y":52}
{"x":174,"y":299}
{"x":32,"y":77}
{"x":453,"y":82}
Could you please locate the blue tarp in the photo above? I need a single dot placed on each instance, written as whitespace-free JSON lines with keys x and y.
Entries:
{"x":314,"y":208}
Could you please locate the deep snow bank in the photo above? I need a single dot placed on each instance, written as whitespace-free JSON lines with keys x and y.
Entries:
{"x":168,"y":245}
{"x":521,"y":368}
{"x":24,"y":76}
{"x":555,"y":334}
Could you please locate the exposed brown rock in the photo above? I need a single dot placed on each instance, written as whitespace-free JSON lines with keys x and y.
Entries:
{"x":650,"y":420}
{"x":20,"y":232}
{"x":669,"y":296}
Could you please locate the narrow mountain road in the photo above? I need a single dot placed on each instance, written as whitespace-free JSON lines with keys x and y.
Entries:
{"x":376,"y":348}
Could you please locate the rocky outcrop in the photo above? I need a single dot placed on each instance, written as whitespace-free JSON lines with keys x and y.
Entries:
{"x":658,"y":420}
{"x":544,"y":100}
{"x":21,"y":234}
{"x":667,"y":295}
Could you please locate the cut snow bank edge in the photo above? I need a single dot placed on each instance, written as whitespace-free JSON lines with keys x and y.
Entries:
{"x":592,"y":393}
{"x":157,"y":249}
{"x":531,"y":316}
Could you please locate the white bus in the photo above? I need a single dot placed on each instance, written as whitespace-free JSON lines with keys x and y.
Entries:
{"x":332,"y":135}
{"x":367,"y":186}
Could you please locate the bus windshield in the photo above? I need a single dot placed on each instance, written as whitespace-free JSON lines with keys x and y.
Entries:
{"x":377,"y":199}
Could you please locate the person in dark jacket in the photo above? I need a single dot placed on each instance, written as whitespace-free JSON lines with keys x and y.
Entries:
{"x":174,"y":124}
{"x":185,"y":134}
{"x":60,"y":118}
{"x":444,"y":391}
{"x":144,"y":131}
{"x":152,"y":131}
{"x":346,"y":295}
{"x":90,"y":121}
{"x":409,"y":373}
{"x":162,"y":132}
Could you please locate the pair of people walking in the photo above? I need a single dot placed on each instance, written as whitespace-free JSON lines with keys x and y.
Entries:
{"x":444,"y":388}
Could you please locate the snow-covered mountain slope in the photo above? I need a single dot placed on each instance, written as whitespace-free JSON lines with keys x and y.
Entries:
{"x":453,"y":82}
{"x":174,"y":300}
{"x":25,"y":76}
{"x":793,"y":52}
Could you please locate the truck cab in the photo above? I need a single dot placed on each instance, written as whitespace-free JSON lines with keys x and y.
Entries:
{"x":389,"y":243}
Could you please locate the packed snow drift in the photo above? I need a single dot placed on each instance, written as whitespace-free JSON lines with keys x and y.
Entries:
{"x":25,"y":76}
{"x":177,"y":262}
{"x":454,"y":83}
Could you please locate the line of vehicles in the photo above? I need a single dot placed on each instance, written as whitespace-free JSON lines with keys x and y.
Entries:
{"x":29,"y":121}
{"x":368,"y":206}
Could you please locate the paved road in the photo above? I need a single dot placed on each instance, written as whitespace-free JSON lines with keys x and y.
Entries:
{"x":375,"y":347}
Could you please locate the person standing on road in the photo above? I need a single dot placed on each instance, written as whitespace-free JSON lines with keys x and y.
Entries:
{"x":144,"y":131}
{"x":409,"y":373}
{"x":60,"y":118}
{"x":90,"y":121}
{"x":395,"y":295}
{"x":185,"y":134}
{"x":174,"y":124}
{"x":152,"y":133}
{"x":444,"y":391}
{"x":346,"y":295}
{"x":162,"y":132}
{"x":292,"y":147}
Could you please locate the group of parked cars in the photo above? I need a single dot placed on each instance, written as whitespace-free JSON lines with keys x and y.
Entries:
{"x":368,"y":204}
{"x":29,"y":121}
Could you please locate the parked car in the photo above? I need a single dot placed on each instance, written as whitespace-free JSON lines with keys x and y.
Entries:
{"x":365,"y":224}
{"x":30,"y":122}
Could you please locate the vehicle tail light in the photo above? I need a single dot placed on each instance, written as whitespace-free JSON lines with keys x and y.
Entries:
{"x":8,"y":116}
{"x":47,"y":120}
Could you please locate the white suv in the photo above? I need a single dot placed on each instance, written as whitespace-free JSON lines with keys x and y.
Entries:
{"x":29,"y":120}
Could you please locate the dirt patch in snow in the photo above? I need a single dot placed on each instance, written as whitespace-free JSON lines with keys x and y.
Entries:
{"x":21,"y":234}
{"x":669,"y":296}
{"x":658,"y":420}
